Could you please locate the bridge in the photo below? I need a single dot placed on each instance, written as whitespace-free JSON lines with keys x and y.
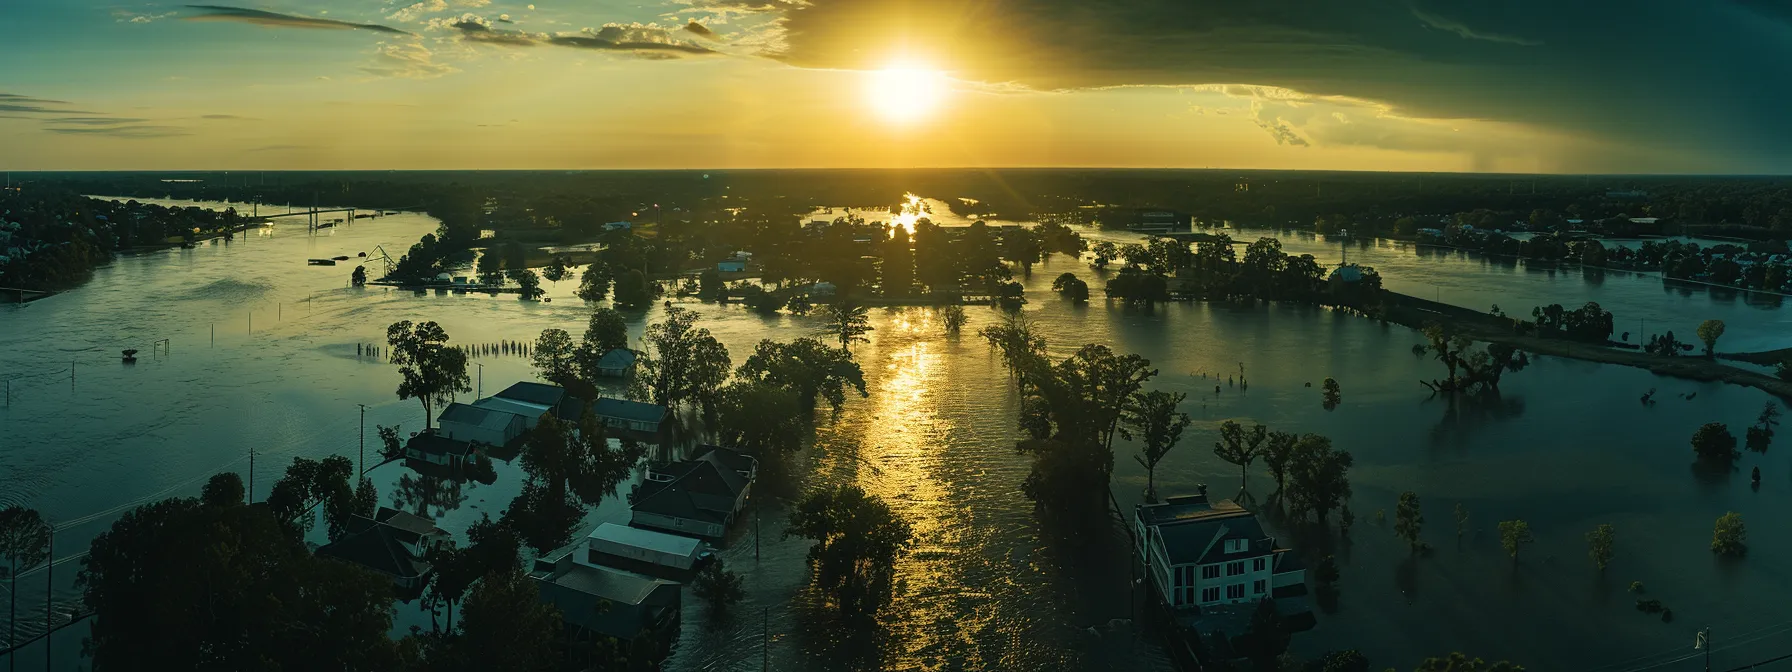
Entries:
{"x":312,"y":219}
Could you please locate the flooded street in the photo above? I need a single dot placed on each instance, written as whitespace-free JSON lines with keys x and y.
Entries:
{"x":1566,"y":447}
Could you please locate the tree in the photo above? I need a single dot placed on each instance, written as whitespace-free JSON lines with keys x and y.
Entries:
{"x":762,"y":419}
{"x":506,"y":626}
{"x":808,"y":367}
{"x":953,"y":318}
{"x":1513,"y":534}
{"x":1729,"y":537}
{"x":556,"y":269}
{"x":848,"y":322}
{"x":1266,"y":637}
{"x":687,"y":362}
{"x":718,"y":586}
{"x":1348,"y":660}
{"x":24,"y":542}
{"x":1071,"y":287}
{"x":225,"y":489}
{"x":1456,"y":662}
{"x":359,"y":277}
{"x":553,"y":357}
{"x":178,"y":585}
{"x":577,"y":458}
{"x":1600,"y":545}
{"x":527,"y":282}
{"x":898,"y":267}
{"x":857,"y":541}
{"x":606,"y":331}
{"x":1239,"y":447}
{"x":594,"y":283}
{"x":1760,"y":435}
{"x":308,"y":484}
{"x":1333,"y":396}
{"x":1319,"y":476}
{"x":391,"y":446}
{"x":633,"y":291}
{"x":1709,"y":332}
{"x":1278,"y":454}
{"x":1152,"y":417}
{"x":431,"y":371}
{"x":1409,"y":519}
{"x":1713,"y":441}
{"x":1019,"y":342}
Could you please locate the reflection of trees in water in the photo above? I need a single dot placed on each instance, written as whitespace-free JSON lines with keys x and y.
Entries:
{"x":1712,"y":474}
{"x":1466,"y":415}
{"x":428,"y":495}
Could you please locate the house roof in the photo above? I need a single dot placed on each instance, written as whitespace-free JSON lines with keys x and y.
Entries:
{"x":1202,"y":541}
{"x":647,"y":539}
{"x":702,"y":489}
{"x":730,"y":458}
{"x":629,"y":410}
{"x":407,"y":522}
{"x":1184,"y":508}
{"x":501,"y":405}
{"x":376,"y":547}
{"x":617,"y":358}
{"x":615,"y":585}
{"x":534,"y":393}
{"x":431,"y":442}
{"x":483,"y":417}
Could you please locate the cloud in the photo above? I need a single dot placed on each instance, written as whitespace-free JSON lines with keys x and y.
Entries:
{"x":94,"y":121}
{"x":408,"y":60}
{"x":266,"y":18}
{"x":646,"y":41}
{"x":127,"y":16}
{"x":222,"y":116}
{"x":277,"y":148}
{"x":135,"y":132}
{"x":1685,"y":80}
{"x":1459,"y":28}
{"x":700,"y":30}
{"x":408,"y":14}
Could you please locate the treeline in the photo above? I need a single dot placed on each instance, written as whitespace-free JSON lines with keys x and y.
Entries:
{"x":52,"y":238}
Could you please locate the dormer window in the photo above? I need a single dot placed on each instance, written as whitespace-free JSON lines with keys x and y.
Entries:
{"x":1235,"y":545}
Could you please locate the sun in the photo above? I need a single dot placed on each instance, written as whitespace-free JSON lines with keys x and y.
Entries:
{"x":906,"y":92}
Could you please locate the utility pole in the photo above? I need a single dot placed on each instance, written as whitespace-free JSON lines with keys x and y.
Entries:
{"x":251,"y":474}
{"x":49,"y":604}
{"x":361,"y":466}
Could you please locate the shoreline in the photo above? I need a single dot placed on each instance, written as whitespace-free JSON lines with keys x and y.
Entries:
{"x":1415,"y":312}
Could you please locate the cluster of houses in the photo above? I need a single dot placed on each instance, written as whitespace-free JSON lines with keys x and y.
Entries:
{"x":620,"y":581}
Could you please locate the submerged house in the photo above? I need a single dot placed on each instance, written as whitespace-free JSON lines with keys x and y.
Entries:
{"x":435,"y":447}
{"x":617,"y":363}
{"x":605,"y":601}
{"x":392,"y":542}
{"x":698,"y":497}
{"x":481,"y":424}
{"x":1209,"y":564}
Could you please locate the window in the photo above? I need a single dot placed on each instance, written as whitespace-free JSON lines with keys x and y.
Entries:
{"x":1188,"y":596}
{"x":1257,"y":587}
{"x":1258,"y":564}
{"x":1210,"y":571}
{"x":1236,"y":545}
{"x":1234,"y":568}
{"x":1210,"y":594}
{"x":1235,"y":591}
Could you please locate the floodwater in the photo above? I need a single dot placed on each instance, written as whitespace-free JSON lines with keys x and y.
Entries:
{"x":1566,"y":447}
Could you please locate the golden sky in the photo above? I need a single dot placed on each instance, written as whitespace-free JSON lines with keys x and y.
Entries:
{"x":366,"y":84}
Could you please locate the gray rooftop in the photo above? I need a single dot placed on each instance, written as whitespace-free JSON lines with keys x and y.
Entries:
{"x":534,"y":393}
{"x":628,"y":410}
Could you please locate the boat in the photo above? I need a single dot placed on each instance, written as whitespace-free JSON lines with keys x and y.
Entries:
{"x":363,"y":254}
{"x":130,"y":356}
{"x":320,"y":262}
{"x":326,"y":225}
{"x":341,"y":258}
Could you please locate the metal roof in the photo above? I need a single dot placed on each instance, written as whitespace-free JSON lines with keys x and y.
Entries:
{"x":533,"y":393}
{"x":483,"y":417}
{"x":648,"y":539}
{"x":628,"y":410}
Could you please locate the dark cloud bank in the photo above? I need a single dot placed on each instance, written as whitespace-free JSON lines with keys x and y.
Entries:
{"x":1696,"y":79}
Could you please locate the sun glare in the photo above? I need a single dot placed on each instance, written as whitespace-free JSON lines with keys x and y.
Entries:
{"x":906,"y":93}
